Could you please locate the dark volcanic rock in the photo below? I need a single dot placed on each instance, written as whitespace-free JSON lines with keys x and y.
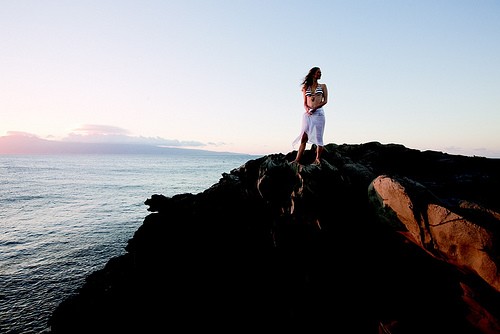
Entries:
{"x":278,"y":246}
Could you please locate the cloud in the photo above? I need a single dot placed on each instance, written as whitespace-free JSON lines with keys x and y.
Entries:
{"x":478,"y":151}
{"x":95,"y":133}
{"x":93,"y":138}
{"x":99,"y":130}
{"x":107,"y":134}
{"x":21,"y":134}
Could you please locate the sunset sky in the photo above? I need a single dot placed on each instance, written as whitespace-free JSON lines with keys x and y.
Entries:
{"x":225,"y":75}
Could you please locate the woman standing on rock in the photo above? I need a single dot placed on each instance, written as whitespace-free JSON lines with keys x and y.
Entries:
{"x":313,"y":122}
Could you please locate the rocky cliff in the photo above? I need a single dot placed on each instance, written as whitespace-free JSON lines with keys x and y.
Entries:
{"x":376,"y":239}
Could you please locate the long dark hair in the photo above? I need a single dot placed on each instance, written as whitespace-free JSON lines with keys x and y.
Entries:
{"x":308,"y":80}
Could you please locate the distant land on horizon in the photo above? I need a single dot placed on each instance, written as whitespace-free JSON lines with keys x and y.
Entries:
{"x":27,"y":144}
{"x":35,"y":145}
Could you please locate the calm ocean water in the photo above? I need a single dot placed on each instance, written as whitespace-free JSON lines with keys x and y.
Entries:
{"x":64,"y":216}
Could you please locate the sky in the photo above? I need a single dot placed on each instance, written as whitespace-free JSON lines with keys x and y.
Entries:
{"x":225,"y":75}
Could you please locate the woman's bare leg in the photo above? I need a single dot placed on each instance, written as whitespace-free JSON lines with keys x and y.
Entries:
{"x":302,"y":148}
{"x":319,"y":151}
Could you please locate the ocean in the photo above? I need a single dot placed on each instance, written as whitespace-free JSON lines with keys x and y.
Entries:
{"x":64,"y":216}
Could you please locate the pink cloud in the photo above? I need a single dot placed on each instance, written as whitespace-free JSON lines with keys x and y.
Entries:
{"x":102,"y":130}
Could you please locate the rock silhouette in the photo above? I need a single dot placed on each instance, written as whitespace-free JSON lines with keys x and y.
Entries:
{"x":376,"y":239}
